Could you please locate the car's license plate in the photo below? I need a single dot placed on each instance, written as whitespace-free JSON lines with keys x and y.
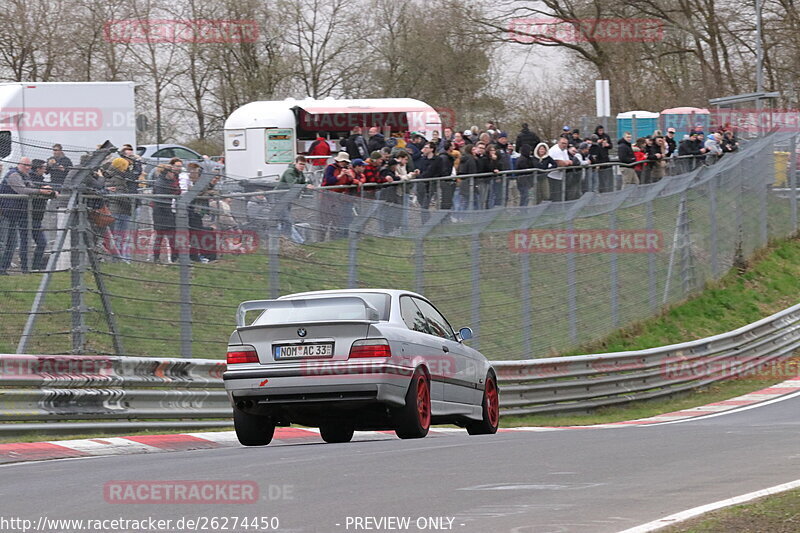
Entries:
{"x":291,"y":351}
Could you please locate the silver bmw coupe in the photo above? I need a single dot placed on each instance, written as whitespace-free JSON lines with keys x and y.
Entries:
{"x":360,"y":359}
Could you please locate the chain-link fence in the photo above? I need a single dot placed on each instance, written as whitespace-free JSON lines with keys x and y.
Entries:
{"x":157,"y":272}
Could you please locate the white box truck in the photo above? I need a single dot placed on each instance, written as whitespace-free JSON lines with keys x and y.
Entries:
{"x":263,"y":138}
{"x":77,"y":115}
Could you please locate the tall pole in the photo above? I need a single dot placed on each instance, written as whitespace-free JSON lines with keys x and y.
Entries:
{"x":759,"y":50}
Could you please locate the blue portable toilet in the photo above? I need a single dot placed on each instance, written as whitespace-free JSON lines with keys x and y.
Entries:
{"x":685,"y":120}
{"x":646,"y":122}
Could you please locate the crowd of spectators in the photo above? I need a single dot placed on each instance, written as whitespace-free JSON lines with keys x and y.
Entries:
{"x":464,"y":163}
{"x":570,"y":166}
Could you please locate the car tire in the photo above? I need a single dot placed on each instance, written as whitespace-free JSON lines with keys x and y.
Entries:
{"x":491,"y":410}
{"x":334,"y":432}
{"x":414,"y":418}
{"x":252,"y":430}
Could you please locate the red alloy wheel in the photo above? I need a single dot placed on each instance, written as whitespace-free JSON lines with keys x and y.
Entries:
{"x":492,"y":402}
{"x":423,"y":403}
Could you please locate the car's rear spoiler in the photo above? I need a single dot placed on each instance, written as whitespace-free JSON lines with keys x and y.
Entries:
{"x":370,"y":313}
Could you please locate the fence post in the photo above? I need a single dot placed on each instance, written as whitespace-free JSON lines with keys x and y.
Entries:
{"x":29,"y":235}
{"x":353,"y":236}
{"x":78,"y":281}
{"x":763,"y":185}
{"x":182,"y":240}
{"x":572,"y":294}
{"x":527,"y":308}
{"x":712,"y":197}
{"x":475,"y":262}
{"x":419,"y":248}
{"x":652,"y":284}
{"x":612,"y":225}
{"x":792,"y":180}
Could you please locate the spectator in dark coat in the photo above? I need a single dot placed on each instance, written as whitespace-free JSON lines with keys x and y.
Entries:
{"x":14,"y":211}
{"x":355,"y":145}
{"x":542,"y":161}
{"x":625,"y":155}
{"x":524,"y":180}
{"x":599,"y":151}
{"x":167,"y":183}
{"x":526,"y":136}
{"x":58,"y":166}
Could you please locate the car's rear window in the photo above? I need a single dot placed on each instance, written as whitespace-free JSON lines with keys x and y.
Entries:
{"x":323,"y":311}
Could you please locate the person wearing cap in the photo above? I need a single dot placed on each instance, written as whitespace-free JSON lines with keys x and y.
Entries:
{"x":338,"y":209}
{"x":372,"y":171}
{"x":14,"y":210}
{"x":575,"y":139}
{"x":672,"y":144}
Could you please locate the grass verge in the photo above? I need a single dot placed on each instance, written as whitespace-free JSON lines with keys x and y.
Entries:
{"x":779,"y":513}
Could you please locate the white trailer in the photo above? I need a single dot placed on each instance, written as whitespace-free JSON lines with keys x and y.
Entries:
{"x":263,"y":138}
{"x":77,"y":115}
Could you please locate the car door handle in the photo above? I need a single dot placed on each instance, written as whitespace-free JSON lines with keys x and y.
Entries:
{"x":445,"y":349}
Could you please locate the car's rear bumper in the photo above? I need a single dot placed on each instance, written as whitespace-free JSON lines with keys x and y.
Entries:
{"x":336,"y":382}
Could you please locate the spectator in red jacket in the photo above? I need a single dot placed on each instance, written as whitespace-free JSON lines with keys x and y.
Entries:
{"x":320,"y":150}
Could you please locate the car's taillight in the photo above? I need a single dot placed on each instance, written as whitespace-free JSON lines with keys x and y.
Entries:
{"x":370,"y":348}
{"x":242,"y":354}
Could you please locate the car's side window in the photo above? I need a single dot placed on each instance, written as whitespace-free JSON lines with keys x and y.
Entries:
{"x":412,"y":316}
{"x":164,"y":153}
{"x":436,"y":322}
{"x":186,"y":154}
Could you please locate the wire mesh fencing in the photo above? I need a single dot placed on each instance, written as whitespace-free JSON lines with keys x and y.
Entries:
{"x":161,"y":271}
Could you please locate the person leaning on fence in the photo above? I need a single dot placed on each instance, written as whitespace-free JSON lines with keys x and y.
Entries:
{"x":600,"y":150}
{"x":198,"y":249}
{"x":336,"y":210}
{"x":38,"y":208}
{"x":295,"y":174}
{"x":423,"y":189}
{"x":167,"y":183}
{"x":467,"y":165}
{"x":15,"y":210}
{"x":560,"y":154}
{"x":713,"y":148}
{"x":524,"y":179}
{"x":117,"y":178}
{"x":542,"y":161}
{"x":495,"y":164}
{"x":626,"y":157}
{"x":639,"y":155}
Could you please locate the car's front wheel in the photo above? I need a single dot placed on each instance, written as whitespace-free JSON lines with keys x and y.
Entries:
{"x":414,"y":418}
{"x":333,"y":432}
{"x":252,"y":430}
{"x":491,"y":410}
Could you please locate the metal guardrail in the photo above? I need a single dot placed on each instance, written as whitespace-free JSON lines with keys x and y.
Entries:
{"x":68,"y":394}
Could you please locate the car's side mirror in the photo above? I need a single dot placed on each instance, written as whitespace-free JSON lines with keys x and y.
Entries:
{"x":465,"y":334}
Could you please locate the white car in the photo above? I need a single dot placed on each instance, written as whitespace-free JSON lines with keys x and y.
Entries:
{"x":361,"y":359}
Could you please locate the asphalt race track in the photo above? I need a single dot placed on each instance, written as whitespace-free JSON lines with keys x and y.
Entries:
{"x":582,"y":480}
